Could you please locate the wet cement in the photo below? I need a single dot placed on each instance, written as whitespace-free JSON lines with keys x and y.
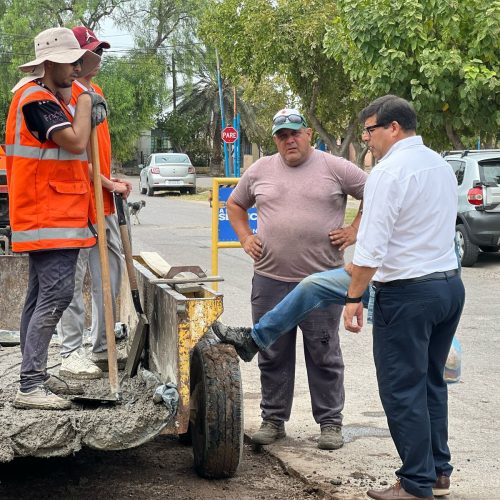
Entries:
{"x":49,"y":433}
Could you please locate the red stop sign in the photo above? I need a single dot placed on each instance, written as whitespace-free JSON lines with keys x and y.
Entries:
{"x":229,"y":135}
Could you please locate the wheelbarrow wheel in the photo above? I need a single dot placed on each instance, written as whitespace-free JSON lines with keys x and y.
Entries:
{"x":216,"y":410}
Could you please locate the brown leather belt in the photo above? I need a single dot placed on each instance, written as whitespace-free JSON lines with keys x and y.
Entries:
{"x":427,"y":277}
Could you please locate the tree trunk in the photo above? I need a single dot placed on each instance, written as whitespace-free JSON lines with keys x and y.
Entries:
{"x":452,"y":135}
{"x":362,"y":156}
{"x":330,"y":141}
{"x":348,"y":138}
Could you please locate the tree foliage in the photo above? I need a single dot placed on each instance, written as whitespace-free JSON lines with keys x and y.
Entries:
{"x":442,"y":55}
{"x":136,"y":93}
{"x":263,"y":38}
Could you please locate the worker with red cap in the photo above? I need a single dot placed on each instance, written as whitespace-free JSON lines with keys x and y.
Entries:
{"x":74,"y":361}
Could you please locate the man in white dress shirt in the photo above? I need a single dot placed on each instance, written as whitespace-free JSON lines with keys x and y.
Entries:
{"x":406,"y":245}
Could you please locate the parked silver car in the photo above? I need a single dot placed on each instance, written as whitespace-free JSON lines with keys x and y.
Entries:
{"x":167,"y":171}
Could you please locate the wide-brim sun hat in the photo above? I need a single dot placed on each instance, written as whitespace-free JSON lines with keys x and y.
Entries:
{"x":290,"y":118}
{"x":57,"y":45}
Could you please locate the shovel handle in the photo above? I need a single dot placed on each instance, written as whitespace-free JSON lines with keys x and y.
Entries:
{"x":127,"y":252}
{"x":103,"y":256}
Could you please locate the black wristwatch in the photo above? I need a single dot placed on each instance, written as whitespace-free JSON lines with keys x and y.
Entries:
{"x":352,"y":300}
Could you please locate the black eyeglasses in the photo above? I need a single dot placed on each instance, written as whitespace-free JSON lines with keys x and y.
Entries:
{"x":77,"y":63}
{"x":279,"y":120}
{"x":99,"y":51}
{"x":368,"y":130}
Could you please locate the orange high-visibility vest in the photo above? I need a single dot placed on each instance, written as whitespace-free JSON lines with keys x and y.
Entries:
{"x":3,"y":161}
{"x":49,"y":188}
{"x":104,"y":140}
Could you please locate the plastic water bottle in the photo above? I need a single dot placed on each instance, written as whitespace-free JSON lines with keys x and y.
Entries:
{"x":453,"y":367}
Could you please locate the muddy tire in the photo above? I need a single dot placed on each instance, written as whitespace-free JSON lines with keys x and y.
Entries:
{"x":216,"y":410}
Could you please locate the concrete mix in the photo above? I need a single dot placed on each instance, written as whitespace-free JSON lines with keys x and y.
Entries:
{"x":42,"y":433}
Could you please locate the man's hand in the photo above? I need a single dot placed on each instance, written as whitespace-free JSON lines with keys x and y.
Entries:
{"x":352,"y":311}
{"x":252,"y":246}
{"x":122,"y":186}
{"x":343,"y":237}
{"x":99,"y":108}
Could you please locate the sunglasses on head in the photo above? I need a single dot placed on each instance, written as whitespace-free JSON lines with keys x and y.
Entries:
{"x":279,"y":120}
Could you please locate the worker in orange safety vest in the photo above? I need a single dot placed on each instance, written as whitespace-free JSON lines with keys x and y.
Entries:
{"x":50,"y":203}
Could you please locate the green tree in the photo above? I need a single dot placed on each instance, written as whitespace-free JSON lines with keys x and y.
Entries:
{"x":442,"y":55}
{"x":264,"y":38}
{"x":136,"y":93}
{"x":21,"y":20}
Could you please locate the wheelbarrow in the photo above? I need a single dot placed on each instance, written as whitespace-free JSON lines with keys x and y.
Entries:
{"x":181,"y":351}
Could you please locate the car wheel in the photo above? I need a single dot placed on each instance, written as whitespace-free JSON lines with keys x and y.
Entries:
{"x":192,"y":190}
{"x":149,"y":190}
{"x":467,"y":250}
{"x":141,"y":188}
{"x":489,"y":248}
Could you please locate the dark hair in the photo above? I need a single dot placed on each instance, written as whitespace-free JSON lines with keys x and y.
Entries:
{"x":391,"y":108}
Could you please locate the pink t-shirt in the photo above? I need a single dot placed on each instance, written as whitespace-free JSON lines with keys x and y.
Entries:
{"x":296,"y":209}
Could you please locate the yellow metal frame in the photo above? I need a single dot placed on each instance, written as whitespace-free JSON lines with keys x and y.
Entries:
{"x":216,"y":244}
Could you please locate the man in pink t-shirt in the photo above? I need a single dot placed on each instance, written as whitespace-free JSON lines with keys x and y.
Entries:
{"x":301,"y":195}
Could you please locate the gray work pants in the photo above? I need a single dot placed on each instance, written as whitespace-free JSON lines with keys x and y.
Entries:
{"x":50,"y":289}
{"x":72,"y":323}
{"x":323,"y":357}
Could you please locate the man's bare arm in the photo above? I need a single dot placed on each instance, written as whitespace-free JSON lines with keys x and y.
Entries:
{"x":238,"y":218}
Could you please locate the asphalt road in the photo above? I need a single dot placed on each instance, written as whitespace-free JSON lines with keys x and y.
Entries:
{"x":180,"y":231}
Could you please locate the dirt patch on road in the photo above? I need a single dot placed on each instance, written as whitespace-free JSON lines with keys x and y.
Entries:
{"x":162,"y":468}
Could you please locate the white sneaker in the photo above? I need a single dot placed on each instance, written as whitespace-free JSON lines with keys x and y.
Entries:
{"x":40,"y":398}
{"x":77,"y":365}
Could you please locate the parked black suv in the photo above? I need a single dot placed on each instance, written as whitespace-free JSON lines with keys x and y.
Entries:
{"x":478,"y":217}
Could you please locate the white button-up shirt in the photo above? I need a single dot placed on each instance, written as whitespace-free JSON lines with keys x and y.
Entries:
{"x":409,"y":212}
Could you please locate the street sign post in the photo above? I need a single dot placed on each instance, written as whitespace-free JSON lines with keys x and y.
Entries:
{"x":229,"y":135}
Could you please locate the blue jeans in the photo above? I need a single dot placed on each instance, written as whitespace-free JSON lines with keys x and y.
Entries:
{"x":314,"y":292}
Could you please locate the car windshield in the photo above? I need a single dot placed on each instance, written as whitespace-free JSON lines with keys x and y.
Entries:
{"x":166,"y":159}
{"x":491,"y":170}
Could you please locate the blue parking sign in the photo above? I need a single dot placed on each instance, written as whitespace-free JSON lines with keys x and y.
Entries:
{"x":225,"y":231}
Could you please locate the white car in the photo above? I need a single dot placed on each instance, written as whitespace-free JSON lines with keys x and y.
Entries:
{"x":167,"y":171}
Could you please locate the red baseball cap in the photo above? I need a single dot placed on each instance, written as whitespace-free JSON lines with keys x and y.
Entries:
{"x":87,"y":39}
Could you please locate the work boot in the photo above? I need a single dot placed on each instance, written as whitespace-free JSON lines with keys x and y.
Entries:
{"x":239,"y":337}
{"x":269,"y":432}
{"x":78,"y":366}
{"x":100,"y":359}
{"x":441,"y":486}
{"x":396,"y":492}
{"x":40,"y":398}
{"x":59,"y":386}
{"x":331,"y":438}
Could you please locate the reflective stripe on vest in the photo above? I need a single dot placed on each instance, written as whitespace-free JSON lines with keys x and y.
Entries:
{"x":42,"y":154}
{"x":52,"y":233}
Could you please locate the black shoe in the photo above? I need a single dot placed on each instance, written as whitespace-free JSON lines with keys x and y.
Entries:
{"x":239,"y":337}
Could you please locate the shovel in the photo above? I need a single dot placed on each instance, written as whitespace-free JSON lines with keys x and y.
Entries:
{"x":115,"y":396}
{"x":142,"y":328}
